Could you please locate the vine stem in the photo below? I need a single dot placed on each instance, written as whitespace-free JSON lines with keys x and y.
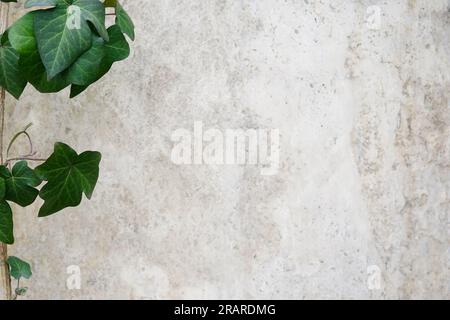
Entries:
{"x":26,"y":158}
{"x":5,"y":277}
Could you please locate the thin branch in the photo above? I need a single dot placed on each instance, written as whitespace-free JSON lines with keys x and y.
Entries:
{"x":17,"y":135}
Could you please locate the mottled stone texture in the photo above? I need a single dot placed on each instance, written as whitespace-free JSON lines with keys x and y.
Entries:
{"x":364,"y":178}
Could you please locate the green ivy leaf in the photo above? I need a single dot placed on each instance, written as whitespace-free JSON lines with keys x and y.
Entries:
{"x":124,"y":21}
{"x":20,"y":183}
{"x":60,"y":43}
{"x":6,"y":223}
{"x":34,"y":71}
{"x":23,"y":40}
{"x":21,"y":35}
{"x":84,"y":71}
{"x":10,"y":77}
{"x":68,"y":175}
{"x":94,"y":12}
{"x":19,"y":268}
{"x":116,"y":49}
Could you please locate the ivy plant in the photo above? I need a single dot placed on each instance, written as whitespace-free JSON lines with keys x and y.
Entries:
{"x":19,"y":269}
{"x":62,"y":43}
{"x":56,"y":44}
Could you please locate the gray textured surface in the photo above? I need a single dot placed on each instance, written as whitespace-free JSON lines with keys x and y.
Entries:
{"x":365,"y":153}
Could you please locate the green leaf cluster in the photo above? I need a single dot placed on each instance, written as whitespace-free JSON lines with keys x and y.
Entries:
{"x":63,"y":43}
{"x":66,"y":174}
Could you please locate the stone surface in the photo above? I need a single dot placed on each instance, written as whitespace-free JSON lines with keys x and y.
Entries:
{"x":359,"y":207}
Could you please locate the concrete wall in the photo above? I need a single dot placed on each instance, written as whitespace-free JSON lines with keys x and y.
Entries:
{"x":359,"y":207}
